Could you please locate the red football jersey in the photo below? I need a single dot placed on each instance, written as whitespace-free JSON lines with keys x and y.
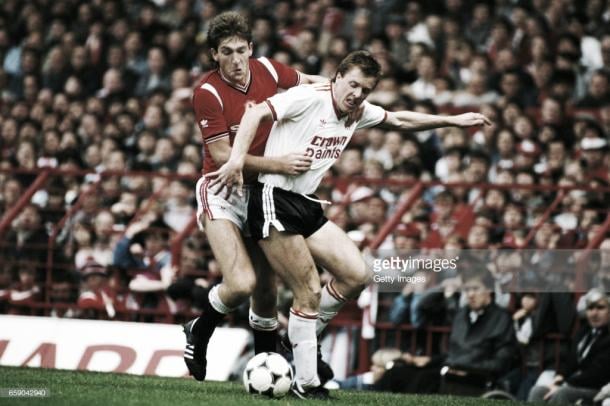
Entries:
{"x":220,"y":105}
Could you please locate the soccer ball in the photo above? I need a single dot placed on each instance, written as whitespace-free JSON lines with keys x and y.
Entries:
{"x":268,"y":374}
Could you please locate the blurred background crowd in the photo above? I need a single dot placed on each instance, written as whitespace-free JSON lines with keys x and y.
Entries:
{"x":95,"y":113}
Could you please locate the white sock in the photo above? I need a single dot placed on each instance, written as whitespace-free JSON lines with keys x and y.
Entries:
{"x":217,"y":303}
{"x":262,"y":323}
{"x":302,"y":334}
{"x":330,"y":303}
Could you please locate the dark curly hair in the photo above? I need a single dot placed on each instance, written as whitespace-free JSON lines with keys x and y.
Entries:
{"x":226,"y":25}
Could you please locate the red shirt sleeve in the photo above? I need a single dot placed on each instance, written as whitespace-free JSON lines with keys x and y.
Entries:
{"x":287,"y":77}
{"x":209,"y":115}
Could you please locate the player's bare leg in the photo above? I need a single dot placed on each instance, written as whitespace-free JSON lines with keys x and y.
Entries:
{"x":336,"y":252}
{"x":299,"y":272}
{"x":229,"y":249}
{"x":263,"y":310}
{"x":237,"y":285}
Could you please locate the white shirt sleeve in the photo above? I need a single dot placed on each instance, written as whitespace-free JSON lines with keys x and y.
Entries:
{"x":372,"y":116}
{"x":293,"y":103}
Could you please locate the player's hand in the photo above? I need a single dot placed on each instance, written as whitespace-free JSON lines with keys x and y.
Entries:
{"x":294,"y":164}
{"x":470,"y":119}
{"x":229,"y":176}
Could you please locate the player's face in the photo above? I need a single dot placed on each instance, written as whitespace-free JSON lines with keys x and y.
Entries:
{"x":351,"y":89}
{"x":232,"y":58}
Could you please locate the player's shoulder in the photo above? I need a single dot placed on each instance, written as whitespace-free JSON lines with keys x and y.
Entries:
{"x":373,"y":108}
{"x":208,"y":83}
{"x":259,"y":62}
{"x":318,"y":91}
{"x":302,"y":95}
{"x":320,"y":88}
{"x":315,"y":93}
{"x":306,"y":96}
{"x":268,"y":66}
{"x":205,"y":78}
{"x":367,"y":105}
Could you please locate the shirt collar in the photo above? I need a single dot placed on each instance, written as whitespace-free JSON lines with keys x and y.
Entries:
{"x":473,"y":315}
{"x":241,"y":88}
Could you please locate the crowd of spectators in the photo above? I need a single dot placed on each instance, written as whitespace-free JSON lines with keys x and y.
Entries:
{"x":99,"y":88}
{"x":491,"y":352}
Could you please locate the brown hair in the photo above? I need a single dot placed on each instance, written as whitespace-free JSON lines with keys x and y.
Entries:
{"x":226,"y":25}
{"x":362,"y":60}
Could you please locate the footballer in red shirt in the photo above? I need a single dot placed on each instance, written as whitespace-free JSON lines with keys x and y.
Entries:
{"x":219,"y":100}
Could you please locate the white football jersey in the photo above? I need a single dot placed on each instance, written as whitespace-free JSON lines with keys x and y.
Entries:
{"x":306,"y":120}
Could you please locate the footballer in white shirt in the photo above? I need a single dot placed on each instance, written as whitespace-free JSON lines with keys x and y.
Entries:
{"x":284,"y":216}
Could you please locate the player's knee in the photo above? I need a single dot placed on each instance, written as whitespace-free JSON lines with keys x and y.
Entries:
{"x":243,"y":287}
{"x":366,"y":276}
{"x":360,"y":278}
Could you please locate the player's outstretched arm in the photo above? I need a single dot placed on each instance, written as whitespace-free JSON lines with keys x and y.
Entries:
{"x":412,"y":121}
{"x":230,"y":174}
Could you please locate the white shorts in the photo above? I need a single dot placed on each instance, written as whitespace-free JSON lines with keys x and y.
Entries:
{"x":215,"y":206}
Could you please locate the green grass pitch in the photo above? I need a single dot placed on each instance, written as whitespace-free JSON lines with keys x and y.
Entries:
{"x":92,"y":388}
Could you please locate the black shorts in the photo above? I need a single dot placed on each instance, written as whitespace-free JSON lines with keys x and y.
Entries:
{"x":285,"y":211}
